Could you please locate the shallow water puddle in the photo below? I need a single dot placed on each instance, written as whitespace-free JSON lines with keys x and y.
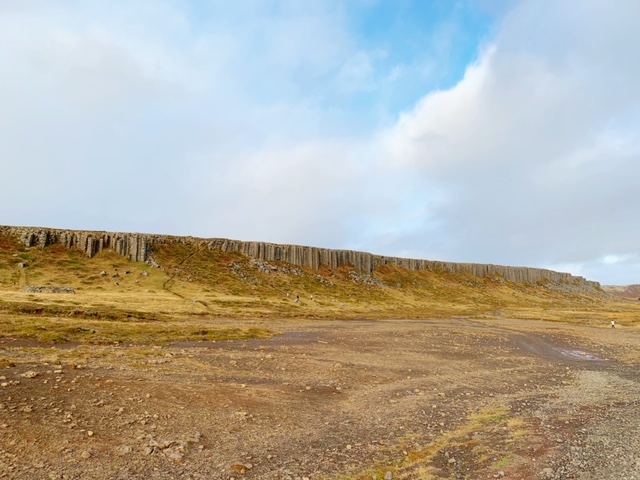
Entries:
{"x":580,"y":355}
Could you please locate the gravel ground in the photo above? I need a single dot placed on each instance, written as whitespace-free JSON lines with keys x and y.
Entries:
{"x":439,"y":399}
{"x":608,"y":445}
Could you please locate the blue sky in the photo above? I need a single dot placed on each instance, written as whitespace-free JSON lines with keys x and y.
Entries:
{"x":475,"y":131}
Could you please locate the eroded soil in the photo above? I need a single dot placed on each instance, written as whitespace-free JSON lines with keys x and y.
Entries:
{"x":330,"y":399}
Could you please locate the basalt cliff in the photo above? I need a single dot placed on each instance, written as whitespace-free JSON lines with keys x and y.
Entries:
{"x":139,"y":247}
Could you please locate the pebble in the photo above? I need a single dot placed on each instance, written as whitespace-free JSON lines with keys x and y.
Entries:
{"x":175,"y":455}
{"x":241,"y":467}
{"x":547,"y":472}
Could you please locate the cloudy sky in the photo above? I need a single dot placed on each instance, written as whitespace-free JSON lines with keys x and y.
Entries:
{"x":481,"y":131}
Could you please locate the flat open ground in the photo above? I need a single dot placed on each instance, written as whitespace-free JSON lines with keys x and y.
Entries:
{"x":330,"y":399}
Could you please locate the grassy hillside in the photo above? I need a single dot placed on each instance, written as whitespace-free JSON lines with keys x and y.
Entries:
{"x":195,"y":293}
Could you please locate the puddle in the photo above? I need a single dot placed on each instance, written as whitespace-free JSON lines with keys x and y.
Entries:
{"x":580,"y":355}
{"x":287,"y":338}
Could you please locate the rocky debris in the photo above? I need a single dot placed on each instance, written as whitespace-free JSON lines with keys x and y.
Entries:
{"x":237,"y":269}
{"x":23,"y":265}
{"x":48,"y":289}
{"x":323,"y":280}
{"x":9,"y":383}
{"x":608,"y":448}
{"x":364,"y":279}
{"x":152,"y":262}
{"x":266,"y":267}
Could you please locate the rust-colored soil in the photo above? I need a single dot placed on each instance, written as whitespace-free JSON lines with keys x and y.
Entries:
{"x":451,"y":398}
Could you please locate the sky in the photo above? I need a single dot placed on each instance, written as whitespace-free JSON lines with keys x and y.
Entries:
{"x":484,"y":131}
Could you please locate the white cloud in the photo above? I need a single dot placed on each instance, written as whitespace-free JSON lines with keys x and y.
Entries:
{"x":535,"y":142}
{"x":229,"y":121}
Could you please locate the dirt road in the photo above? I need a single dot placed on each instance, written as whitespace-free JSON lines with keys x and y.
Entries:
{"x":397,"y":399}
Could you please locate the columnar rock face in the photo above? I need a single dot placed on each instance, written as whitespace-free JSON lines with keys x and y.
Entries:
{"x":132,"y":246}
{"x":367,"y":262}
{"x":136,"y":247}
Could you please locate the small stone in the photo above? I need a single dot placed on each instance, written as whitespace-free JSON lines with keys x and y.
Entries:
{"x":452,"y":460}
{"x":175,"y":455}
{"x":90,"y":433}
{"x":388,"y":476}
{"x":241,"y":467}
{"x":29,"y":374}
{"x":85,"y":454}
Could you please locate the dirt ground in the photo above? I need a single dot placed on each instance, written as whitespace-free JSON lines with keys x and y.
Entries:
{"x":401,"y":399}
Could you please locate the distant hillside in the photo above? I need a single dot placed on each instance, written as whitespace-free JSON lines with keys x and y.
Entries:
{"x":141,"y":247}
{"x":626,"y":291}
{"x":184,"y":279}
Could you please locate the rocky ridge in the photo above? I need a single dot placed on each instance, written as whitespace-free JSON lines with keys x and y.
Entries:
{"x":137,"y":247}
